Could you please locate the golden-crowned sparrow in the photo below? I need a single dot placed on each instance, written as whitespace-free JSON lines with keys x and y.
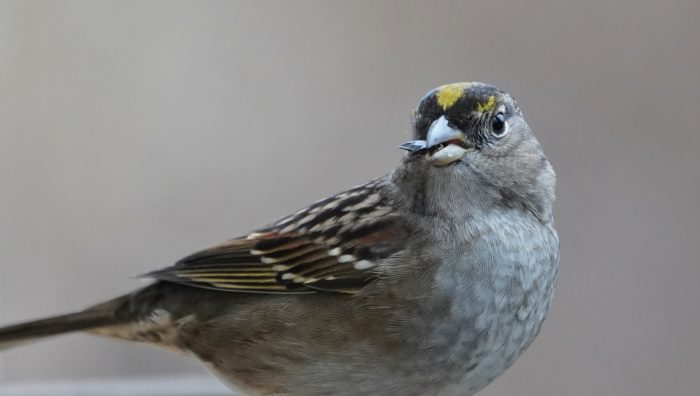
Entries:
{"x":430,"y":280}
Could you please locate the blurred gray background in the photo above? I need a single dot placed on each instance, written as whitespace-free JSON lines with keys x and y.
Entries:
{"x":133,"y":133}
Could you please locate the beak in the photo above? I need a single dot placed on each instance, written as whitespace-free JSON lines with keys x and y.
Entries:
{"x":443,"y":145}
{"x":441,"y":132}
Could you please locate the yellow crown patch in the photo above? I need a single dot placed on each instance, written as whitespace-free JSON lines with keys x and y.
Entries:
{"x":449,"y":94}
{"x":486,"y":106}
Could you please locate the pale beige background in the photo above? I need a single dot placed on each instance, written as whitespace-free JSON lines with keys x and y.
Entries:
{"x":133,"y":133}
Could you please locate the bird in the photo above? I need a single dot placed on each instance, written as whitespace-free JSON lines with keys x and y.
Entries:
{"x":430,"y":280}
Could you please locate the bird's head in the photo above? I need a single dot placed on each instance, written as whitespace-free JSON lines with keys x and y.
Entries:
{"x":473,"y":135}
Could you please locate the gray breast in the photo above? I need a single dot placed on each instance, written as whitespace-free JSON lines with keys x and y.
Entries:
{"x":504,"y":277}
{"x":484,"y":292}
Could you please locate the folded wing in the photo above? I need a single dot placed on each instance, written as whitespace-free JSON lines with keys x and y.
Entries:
{"x":333,"y":245}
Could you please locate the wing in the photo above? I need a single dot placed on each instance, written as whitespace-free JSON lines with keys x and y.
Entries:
{"x":332,"y":245}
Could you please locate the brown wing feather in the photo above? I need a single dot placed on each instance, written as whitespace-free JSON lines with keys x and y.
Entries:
{"x":332,"y":245}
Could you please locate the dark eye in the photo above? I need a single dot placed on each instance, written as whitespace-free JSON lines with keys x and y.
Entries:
{"x":498,"y":125}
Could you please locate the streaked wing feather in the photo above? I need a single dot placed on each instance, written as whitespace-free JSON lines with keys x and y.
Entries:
{"x":333,"y":245}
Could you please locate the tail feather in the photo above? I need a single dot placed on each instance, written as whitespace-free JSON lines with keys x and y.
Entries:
{"x":93,"y":318}
{"x":152,"y":314}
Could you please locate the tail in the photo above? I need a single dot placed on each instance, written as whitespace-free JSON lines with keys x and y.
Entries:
{"x":103,"y":315}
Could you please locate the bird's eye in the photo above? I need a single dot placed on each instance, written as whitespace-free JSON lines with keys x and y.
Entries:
{"x":498,"y":125}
